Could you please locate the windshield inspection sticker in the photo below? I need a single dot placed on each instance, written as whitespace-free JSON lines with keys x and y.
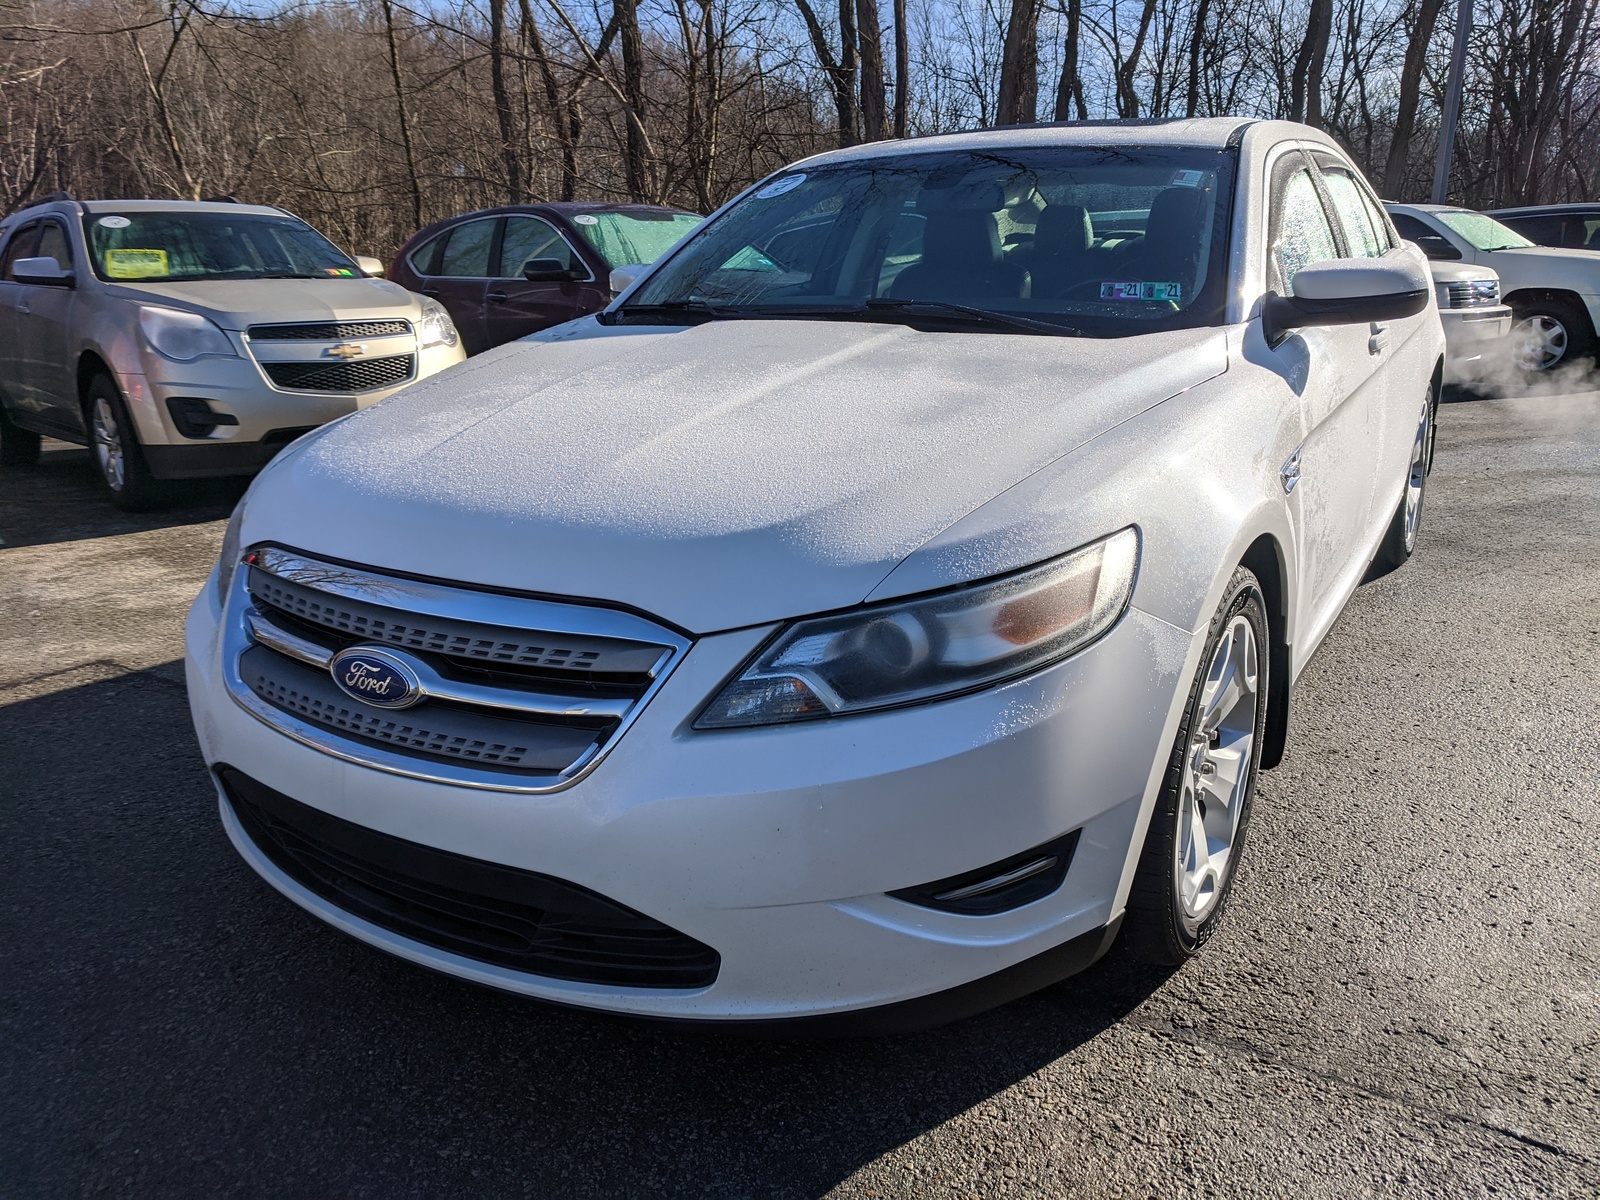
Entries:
{"x":136,"y":264}
{"x":1188,"y":178}
{"x":586,"y":219}
{"x":779,"y":187}
{"x":114,"y":222}
{"x":1141,"y":291}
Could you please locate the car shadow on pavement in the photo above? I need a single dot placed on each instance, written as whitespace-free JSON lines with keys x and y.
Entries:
{"x":61,"y":500}
{"x":172,"y":1026}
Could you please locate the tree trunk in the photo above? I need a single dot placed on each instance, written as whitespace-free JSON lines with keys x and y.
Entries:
{"x":902,"y":72}
{"x":566,"y":132}
{"x":1305,"y":85}
{"x":626,"y":14}
{"x":1127,"y":93}
{"x":841,"y":71}
{"x":405,"y":119}
{"x":1197,"y":35}
{"x":1070,"y":86}
{"x":874,"y":115}
{"x":502,"y":101}
{"x":1019,"y":66}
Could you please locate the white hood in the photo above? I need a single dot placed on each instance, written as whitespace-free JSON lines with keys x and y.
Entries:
{"x":714,"y":476}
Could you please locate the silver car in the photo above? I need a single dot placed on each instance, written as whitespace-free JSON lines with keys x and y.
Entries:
{"x":184,"y":339}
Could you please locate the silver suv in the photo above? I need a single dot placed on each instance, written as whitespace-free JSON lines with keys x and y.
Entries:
{"x":181,"y":339}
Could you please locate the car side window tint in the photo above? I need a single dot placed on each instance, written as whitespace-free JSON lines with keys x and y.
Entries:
{"x":425,"y":258}
{"x":20,"y":246}
{"x":1303,"y":235}
{"x":466,"y":254}
{"x":1359,"y":233}
{"x":53,"y":243}
{"x":531,"y":237}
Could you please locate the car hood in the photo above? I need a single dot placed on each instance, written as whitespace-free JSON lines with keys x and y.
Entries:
{"x":715,"y":476}
{"x":240,"y":303}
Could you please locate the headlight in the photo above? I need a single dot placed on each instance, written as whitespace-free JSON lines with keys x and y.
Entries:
{"x":228,"y":560}
{"x":184,"y":336}
{"x":437,"y":327}
{"x":933,"y":646}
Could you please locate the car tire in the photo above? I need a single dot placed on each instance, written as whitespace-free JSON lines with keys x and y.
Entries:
{"x":1548,"y":333}
{"x":18,"y":447}
{"x":114,"y":445}
{"x":1400,"y":542}
{"x":1190,"y":858}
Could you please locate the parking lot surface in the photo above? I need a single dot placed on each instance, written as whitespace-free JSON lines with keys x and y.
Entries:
{"x":1404,"y":1000}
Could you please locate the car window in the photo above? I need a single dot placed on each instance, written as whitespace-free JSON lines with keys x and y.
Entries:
{"x":180,"y":244}
{"x":1591,"y":234}
{"x":1480,"y":231}
{"x":20,"y":246}
{"x":626,"y":238}
{"x":466,"y":254}
{"x":1302,"y":235}
{"x":1008,"y":233}
{"x":531,"y":237}
{"x":425,"y":258}
{"x":53,"y":243}
{"x":1359,"y":234}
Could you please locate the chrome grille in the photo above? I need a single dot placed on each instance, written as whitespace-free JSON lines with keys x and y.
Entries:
{"x":328,"y":331}
{"x":361,"y":375}
{"x":1474,"y":293}
{"x":516,"y":693}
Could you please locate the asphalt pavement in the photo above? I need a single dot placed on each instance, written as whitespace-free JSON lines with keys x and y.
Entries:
{"x":1404,"y":1001}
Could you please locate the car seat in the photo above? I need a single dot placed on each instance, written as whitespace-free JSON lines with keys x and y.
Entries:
{"x":1062,"y":255}
{"x":1173,"y":239}
{"x":962,"y":262}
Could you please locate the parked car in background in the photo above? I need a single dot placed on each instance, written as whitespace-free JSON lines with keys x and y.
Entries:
{"x":507,"y":272}
{"x":1475,"y":323}
{"x":1554,"y":293}
{"x":852,"y":623}
{"x":1574,"y":226}
{"x":183,"y":339}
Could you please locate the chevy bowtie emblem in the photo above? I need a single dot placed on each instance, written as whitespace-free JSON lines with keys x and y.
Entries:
{"x":345,"y":350}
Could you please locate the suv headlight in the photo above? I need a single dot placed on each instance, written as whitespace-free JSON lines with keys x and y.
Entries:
{"x":184,"y":336}
{"x":932,"y":646}
{"x":437,"y":327}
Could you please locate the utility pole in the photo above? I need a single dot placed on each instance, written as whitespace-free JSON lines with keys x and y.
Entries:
{"x":1452,"y":102}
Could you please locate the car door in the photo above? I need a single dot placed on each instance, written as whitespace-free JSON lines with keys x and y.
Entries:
{"x":454,"y":269}
{"x":12,"y":384}
{"x":1394,"y":399}
{"x":515,"y":306}
{"x":45,"y":327}
{"x":1332,"y":473}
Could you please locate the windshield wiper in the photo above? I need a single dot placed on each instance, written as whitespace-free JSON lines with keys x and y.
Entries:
{"x":690,"y":307}
{"x":967,"y":312}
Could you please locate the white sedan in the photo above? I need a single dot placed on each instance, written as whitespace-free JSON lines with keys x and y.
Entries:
{"x":889,"y":598}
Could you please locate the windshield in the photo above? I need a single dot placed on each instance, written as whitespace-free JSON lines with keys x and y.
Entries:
{"x":172,"y":246}
{"x":1484,"y":233}
{"x":1100,"y":240}
{"x":626,"y":239}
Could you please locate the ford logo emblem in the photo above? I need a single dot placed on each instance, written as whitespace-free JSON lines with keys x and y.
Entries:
{"x":376,"y":677}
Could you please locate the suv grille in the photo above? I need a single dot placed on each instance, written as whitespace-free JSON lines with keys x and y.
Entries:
{"x":363,"y":375}
{"x":480,"y":910}
{"x":1476,"y":293}
{"x":328,"y":331}
{"x":513,"y":693}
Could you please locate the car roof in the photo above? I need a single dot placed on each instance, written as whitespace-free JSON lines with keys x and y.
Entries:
{"x":196,"y":206}
{"x":1541,"y":210}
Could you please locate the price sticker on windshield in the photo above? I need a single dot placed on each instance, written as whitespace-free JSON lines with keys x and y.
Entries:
{"x":1188,"y":179}
{"x":1136,"y":290}
{"x":136,"y":264}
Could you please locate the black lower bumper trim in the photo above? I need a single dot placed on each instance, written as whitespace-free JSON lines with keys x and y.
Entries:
{"x":205,"y":459}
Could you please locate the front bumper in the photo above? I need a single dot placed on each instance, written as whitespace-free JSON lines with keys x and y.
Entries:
{"x":776,"y":846}
{"x":1473,"y":338}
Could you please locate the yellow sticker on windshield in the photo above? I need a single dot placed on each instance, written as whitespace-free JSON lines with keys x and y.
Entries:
{"x":136,"y":264}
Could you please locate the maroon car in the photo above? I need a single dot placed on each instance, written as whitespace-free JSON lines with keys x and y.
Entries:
{"x":507,"y":272}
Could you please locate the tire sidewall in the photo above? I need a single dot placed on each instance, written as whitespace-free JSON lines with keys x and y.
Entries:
{"x":138,"y":491}
{"x":1571,"y":317}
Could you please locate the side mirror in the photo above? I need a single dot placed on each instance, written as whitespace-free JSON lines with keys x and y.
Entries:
{"x":370,"y":266}
{"x":1438,"y":248}
{"x":46,"y":272}
{"x":623,"y":278}
{"x":1349,"y":291}
{"x":548,"y":270}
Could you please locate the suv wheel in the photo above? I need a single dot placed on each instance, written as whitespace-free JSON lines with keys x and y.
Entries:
{"x":1550,"y":333}
{"x":116,"y":449}
{"x":18,"y":447}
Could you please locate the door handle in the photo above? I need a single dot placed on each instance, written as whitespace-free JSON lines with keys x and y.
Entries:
{"x":1289,"y":473}
{"x":1379,"y":338}
{"x":22,"y":307}
{"x":434,"y":292}
{"x":497,"y":297}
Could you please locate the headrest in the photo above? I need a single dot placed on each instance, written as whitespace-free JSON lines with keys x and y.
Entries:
{"x":1063,"y":229}
{"x":986,"y":195}
{"x":961,"y":239}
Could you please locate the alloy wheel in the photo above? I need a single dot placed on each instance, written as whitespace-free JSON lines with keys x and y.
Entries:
{"x":1216,"y":771}
{"x":1540,"y":342}
{"x":1418,"y":477}
{"x":108,"y":450}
